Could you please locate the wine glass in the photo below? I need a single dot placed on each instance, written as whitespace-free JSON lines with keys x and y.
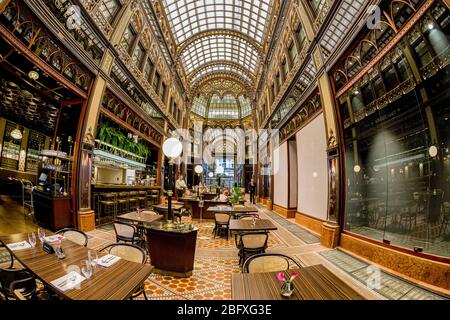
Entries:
{"x":93,"y":257}
{"x":41,"y":234}
{"x":86,"y":268}
{"x":32,"y":239}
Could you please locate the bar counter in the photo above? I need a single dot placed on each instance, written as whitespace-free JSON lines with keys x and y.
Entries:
{"x":123,"y":187}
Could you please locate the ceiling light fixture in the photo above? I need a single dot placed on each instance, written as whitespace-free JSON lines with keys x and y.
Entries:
{"x":16,"y":134}
{"x":33,"y":75}
{"x":431,"y":26}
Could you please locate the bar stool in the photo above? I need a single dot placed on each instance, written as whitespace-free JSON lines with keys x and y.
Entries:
{"x":108,"y":207}
{"x":142,"y":199}
{"x":154,"y":197}
{"x":123,"y":205}
{"x":133,"y":200}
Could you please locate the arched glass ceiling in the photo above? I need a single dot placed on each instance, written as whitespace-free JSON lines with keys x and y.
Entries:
{"x":199,"y":105}
{"x":246,"y":109}
{"x":188,"y":17}
{"x":220,"y":67}
{"x":219,"y":48}
{"x":223,"y":108}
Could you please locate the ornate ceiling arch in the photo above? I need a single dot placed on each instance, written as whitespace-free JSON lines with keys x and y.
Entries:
{"x":221,"y":66}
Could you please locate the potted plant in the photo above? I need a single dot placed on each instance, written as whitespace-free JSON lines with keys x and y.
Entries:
{"x":236,"y":195}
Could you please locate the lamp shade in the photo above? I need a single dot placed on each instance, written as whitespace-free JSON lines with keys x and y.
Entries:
{"x":210,"y":174}
{"x":220,"y":170}
{"x":198,"y":169}
{"x":172,"y":148}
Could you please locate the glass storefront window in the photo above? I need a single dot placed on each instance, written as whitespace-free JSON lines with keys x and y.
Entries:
{"x":397,"y":157}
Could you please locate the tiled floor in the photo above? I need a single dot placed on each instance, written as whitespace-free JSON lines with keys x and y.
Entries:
{"x":216,"y":260}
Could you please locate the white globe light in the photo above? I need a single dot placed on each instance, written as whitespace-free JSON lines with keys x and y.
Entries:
{"x":210,"y":174}
{"x":220,"y":169}
{"x":357,"y":168}
{"x":172,"y":148}
{"x":198,"y":169}
{"x":433,"y":151}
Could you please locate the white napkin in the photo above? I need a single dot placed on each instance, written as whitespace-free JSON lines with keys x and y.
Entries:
{"x":54,"y":238}
{"x":19,"y":246}
{"x":107,"y":261}
{"x":69,"y":281}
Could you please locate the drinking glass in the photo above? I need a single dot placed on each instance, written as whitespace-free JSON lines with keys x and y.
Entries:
{"x":32,"y":239}
{"x":86,"y":268}
{"x":92,"y":257}
{"x":41,"y":234}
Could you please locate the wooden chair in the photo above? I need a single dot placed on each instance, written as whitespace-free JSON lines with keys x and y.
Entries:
{"x":19,"y":280}
{"x":74,"y":235}
{"x":131,"y":253}
{"x":128,"y":233}
{"x":268,"y":262}
{"x":252,"y":243}
{"x":237,"y":234}
{"x":222,"y":223}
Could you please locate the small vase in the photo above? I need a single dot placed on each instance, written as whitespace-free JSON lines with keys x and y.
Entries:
{"x":287,"y":288}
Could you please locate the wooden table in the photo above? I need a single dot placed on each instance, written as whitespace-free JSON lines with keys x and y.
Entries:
{"x":163,"y":209}
{"x":247,"y":225}
{"x":313,"y":283}
{"x":198,"y":212}
{"x":143,"y":217}
{"x":117,"y":282}
{"x":234,"y":211}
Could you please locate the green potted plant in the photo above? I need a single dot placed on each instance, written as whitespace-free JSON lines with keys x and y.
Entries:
{"x":236,"y":195}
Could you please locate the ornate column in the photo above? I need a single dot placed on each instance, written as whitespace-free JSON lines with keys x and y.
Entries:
{"x":86,"y":214}
{"x":330,"y":228}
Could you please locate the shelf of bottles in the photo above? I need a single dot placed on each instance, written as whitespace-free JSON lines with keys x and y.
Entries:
{"x":35,"y":145}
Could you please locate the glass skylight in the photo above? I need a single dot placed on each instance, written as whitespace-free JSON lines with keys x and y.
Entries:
{"x":220,"y":67}
{"x":219,"y":48}
{"x":199,"y":106}
{"x":226,"y":108}
{"x":246,"y":108}
{"x":188,"y":17}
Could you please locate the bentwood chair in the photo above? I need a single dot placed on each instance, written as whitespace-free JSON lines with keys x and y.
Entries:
{"x":131,"y":253}
{"x":237,"y":234}
{"x":269,"y":262}
{"x":222,"y":223}
{"x":127,"y":233}
{"x":74,"y":235}
{"x":252,"y":243}
{"x":17,"y":280}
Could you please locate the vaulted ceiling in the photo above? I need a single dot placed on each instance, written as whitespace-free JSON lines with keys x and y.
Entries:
{"x":219,"y":40}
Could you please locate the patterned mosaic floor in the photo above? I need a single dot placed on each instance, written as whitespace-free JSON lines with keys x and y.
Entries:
{"x":216,"y":260}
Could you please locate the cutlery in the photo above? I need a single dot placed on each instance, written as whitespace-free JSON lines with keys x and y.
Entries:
{"x":108,"y":259}
{"x":73,"y":278}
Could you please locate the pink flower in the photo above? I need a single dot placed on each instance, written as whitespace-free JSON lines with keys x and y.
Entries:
{"x":281,"y":277}
{"x":293,"y":276}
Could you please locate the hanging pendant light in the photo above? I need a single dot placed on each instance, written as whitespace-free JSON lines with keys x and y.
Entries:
{"x":16,"y":134}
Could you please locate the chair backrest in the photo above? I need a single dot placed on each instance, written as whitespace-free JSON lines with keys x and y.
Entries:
{"x":129,"y":252}
{"x":254,"y":240}
{"x":74,"y":235}
{"x":8,"y":278}
{"x":268,"y":262}
{"x":222,"y":217}
{"x":124,"y":229}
